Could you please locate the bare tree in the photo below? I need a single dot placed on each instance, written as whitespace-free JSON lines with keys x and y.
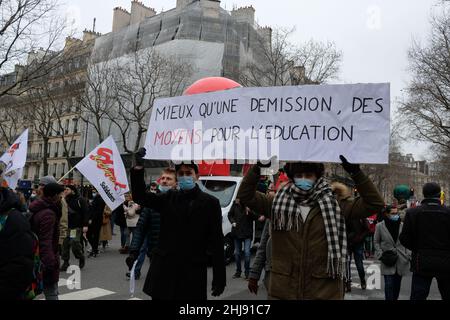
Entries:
{"x":426,"y":110}
{"x":98,"y":98}
{"x":57,"y":116}
{"x":280,"y":62}
{"x":11,"y":121}
{"x":137,"y":83}
{"x":29,"y":29}
{"x":40,"y":114}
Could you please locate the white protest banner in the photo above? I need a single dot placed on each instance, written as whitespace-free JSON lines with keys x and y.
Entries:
{"x":303,"y":123}
{"x":12,"y":178}
{"x":104,"y":168}
{"x":16,"y":155}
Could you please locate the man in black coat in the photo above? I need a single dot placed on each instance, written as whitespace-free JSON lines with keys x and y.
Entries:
{"x":241,"y":219}
{"x":96,"y":209}
{"x":357,"y":230}
{"x":426,"y":232}
{"x":78,"y":215}
{"x":191,"y":229}
{"x":16,"y":248}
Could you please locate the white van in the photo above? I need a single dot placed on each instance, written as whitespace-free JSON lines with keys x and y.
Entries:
{"x":224,"y":188}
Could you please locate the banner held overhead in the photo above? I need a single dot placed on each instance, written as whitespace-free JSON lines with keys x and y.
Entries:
{"x":302,"y":123}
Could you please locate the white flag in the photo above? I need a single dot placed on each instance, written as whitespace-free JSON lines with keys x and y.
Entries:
{"x":104,"y":168}
{"x":14,"y":159}
{"x":13,"y":177}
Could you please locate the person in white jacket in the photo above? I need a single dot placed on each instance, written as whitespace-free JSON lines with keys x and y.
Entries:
{"x":131,"y":211}
{"x":395,"y":258}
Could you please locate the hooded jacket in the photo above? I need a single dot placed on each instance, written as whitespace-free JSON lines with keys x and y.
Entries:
{"x":78,"y":211}
{"x":16,"y":249}
{"x":45,"y":221}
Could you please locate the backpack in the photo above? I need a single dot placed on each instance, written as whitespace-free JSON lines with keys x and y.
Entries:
{"x":37,"y":285}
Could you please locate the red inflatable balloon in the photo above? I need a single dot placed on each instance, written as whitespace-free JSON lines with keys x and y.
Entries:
{"x":210,"y":85}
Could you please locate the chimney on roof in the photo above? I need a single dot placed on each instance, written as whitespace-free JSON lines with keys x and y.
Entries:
{"x":139,"y":12}
{"x":121,"y":19}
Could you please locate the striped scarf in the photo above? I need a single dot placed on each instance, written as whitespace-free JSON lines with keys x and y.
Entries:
{"x":286,"y":215}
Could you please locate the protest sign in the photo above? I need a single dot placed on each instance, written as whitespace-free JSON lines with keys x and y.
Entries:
{"x":104,"y":168}
{"x":302,"y":123}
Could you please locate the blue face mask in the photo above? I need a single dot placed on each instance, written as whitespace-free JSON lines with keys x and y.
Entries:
{"x":186,"y":182}
{"x":394,"y":218}
{"x":164,"y":189}
{"x":304,"y":184}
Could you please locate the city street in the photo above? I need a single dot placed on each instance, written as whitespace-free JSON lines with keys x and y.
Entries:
{"x":103,"y":278}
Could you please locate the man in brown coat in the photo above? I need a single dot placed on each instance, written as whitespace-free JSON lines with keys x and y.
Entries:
{"x":309,"y":245}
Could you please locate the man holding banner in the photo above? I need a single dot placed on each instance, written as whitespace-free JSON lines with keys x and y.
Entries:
{"x":191,"y":230}
{"x":309,"y":244}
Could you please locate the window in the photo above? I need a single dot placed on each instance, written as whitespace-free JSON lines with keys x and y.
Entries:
{"x":40,"y":150}
{"x":49,"y":148}
{"x":63,"y":169}
{"x":38,"y":171}
{"x":55,"y":166}
{"x":75,"y":125}
{"x":25,"y":173}
{"x":56,"y":149}
{"x":66,"y":127}
{"x":74,"y":147}
{"x":222,"y":190}
{"x":65,"y":149}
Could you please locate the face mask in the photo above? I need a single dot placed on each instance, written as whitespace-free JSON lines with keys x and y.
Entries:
{"x":304,"y":184}
{"x":395,"y":217}
{"x":186,"y":183}
{"x":164,"y":189}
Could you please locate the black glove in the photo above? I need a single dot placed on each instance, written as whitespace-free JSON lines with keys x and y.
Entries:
{"x":351,"y":168}
{"x":139,"y":157}
{"x":130,"y":260}
{"x":217,"y":290}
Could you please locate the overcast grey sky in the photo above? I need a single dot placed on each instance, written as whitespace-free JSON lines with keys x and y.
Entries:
{"x":374,"y":35}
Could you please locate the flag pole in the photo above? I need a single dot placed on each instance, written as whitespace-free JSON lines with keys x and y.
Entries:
{"x":66,"y":174}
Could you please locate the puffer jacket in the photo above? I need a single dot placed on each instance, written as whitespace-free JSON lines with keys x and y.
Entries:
{"x":45,"y":221}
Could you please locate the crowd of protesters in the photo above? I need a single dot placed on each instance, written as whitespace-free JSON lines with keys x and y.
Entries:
{"x":307,"y":232}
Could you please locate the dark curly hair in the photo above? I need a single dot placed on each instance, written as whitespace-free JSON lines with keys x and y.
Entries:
{"x":304,"y":167}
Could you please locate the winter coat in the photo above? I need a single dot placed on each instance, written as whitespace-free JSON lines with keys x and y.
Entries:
{"x":191,"y":231}
{"x":119,"y":216}
{"x":147,"y":226}
{"x":131,"y":211}
{"x":244,"y":221}
{"x":426,"y":230}
{"x":78,"y":211}
{"x":105,"y":230}
{"x":383,"y":241}
{"x":45,"y":220}
{"x":357,"y":230}
{"x":299,"y":258}
{"x":96,"y":209}
{"x":263,"y":255}
{"x":16,"y":249}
